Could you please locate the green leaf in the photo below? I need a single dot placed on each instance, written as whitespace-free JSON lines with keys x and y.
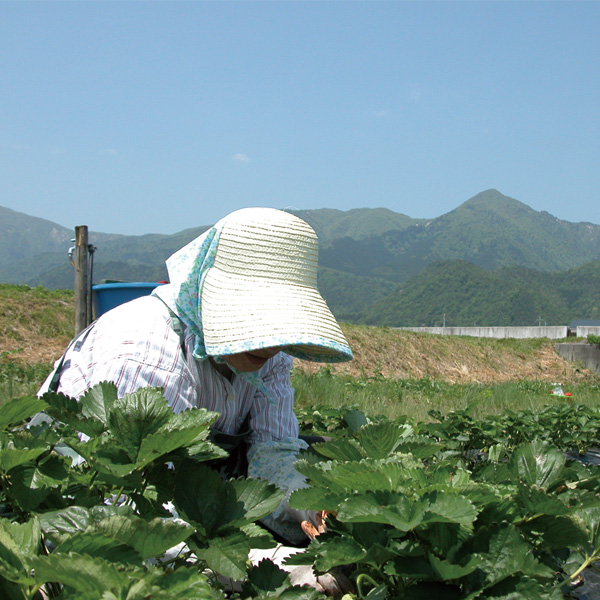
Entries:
{"x":70,"y":411}
{"x":506,"y":555}
{"x":68,"y":520}
{"x":537,"y":463}
{"x":17,"y":410}
{"x":184,"y":583}
{"x":136,"y":416}
{"x":98,"y":401}
{"x":404,"y":515}
{"x":371,"y":475}
{"x":355,"y":419}
{"x":446,"y":570}
{"x":84,"y":574}
{"x":379,"y":592}
{"x":340,"y":449}
{"x":449,"y":508}
{"x":379,"y":440}
{"x":338,"y":551}
{"x":202,"y":496}
{"x":420,"y":447}
{"x":588,"y":513}
{"x":522,"y":588}
{"x":16,"y":545}
{"x":30,"y":485}
{"x":227,"y":555}
{"x":319,"y":474}
{"x":316,"y":499}
{"x":537,"y":501}
{"x":557,"y":532}
{"x":183,"y":429}
{"x":261,"y":539}
{"x":62,"y":523}
{"x":98,"y":545}
{"x":258,"y":497}
{"x":268,"y":577}
{"x":414,"y":567}
{"x":148,"y":538}
{"x":26,"y":536}
{"x":11,"y":457}
{"x":11,"y":591}
{"x":442,"y":537}
{"x":105,"y":456}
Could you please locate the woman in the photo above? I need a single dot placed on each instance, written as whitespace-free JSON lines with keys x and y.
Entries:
{"x":241,"y":302}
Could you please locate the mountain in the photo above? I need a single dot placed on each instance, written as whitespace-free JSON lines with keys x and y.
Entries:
{"x":23,"y":237}
{"x":358,"y":224}
{"x":366,"y":256}
{"x":34,"y":251}
{"x":489,"y":230}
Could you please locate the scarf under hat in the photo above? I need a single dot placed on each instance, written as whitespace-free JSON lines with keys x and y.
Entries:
{"x":187,"y":269}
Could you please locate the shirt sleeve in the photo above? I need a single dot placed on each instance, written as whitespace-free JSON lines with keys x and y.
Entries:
{"x":274,"y":461}
{"x":272,"y":418}
{"x":132,"y":346}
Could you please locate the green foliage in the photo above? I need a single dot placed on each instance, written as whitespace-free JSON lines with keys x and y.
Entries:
{"x":593,"y":339}
{"x":18,"y":379}
{"x":335,"y":285}
{"x":468,"y":295}
{"x":459,"y":506}
{"x":414,"y":510}
{"x":20,"y":373}
{"x":322,"y":398}
{"x":358,"y":223}
{"x":105,"y":527}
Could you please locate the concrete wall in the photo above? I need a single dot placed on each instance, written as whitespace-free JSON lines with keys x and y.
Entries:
{"x":554,"y":333}
{"x":585,"y":330}
{"x":588,"y":354}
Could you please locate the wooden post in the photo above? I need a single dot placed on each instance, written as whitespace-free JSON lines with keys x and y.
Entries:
{"x":80,"y":262}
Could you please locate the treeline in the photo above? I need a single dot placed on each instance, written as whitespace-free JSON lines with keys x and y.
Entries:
{"x":462,"y":294}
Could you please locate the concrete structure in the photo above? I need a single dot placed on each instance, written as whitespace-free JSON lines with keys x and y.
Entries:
{"x":584,"y":330}
{"x":552,"y":332}
{"x":587,"y":354}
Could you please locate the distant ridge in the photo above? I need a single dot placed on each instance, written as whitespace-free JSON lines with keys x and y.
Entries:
{"x":366,"y":256}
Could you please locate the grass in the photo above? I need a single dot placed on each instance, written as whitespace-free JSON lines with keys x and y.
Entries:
{"x":394,"y":372}
{"x":414,"y":398}
{"x":36,"y":324}
{"x":17,"y":380}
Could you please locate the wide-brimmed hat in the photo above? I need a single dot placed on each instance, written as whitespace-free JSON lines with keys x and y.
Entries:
{"x":261,"y":289}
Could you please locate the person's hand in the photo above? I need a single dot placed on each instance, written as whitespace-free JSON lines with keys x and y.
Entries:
{"x":319,"y":527}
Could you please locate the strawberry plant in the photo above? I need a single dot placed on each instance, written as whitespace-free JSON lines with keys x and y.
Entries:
{"x":411,"y":518}
{"x":113,"y":498}
{"x":116,"y":499}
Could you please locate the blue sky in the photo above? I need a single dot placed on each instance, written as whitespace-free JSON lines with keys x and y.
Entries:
{"x":144,"y":117}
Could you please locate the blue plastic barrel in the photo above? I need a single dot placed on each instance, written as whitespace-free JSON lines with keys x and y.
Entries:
{"x":108,"y":295}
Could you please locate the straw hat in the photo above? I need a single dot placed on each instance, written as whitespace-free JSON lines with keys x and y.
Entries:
{"x":261,"y":290}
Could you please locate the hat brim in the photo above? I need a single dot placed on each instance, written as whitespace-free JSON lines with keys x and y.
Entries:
{"x":240,"y":314}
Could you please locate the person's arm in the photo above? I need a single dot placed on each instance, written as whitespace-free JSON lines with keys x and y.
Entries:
{"x":272,"y":417}
{"x":275,"y":446}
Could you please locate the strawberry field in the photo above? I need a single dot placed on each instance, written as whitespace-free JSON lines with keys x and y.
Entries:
{"x":454,"y":507}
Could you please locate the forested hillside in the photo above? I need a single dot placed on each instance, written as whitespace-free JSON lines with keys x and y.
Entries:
{"x":460,"y":293}
{"x":489,"y":230}
{"x":509,"y":264}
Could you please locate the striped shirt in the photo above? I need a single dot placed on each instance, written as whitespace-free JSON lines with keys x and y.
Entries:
{"x":134,"y":346}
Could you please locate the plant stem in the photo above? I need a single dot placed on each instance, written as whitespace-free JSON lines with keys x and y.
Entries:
{"x":359,"y":581}
{"x":590,"y":560}
{"x":118,"y":495}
